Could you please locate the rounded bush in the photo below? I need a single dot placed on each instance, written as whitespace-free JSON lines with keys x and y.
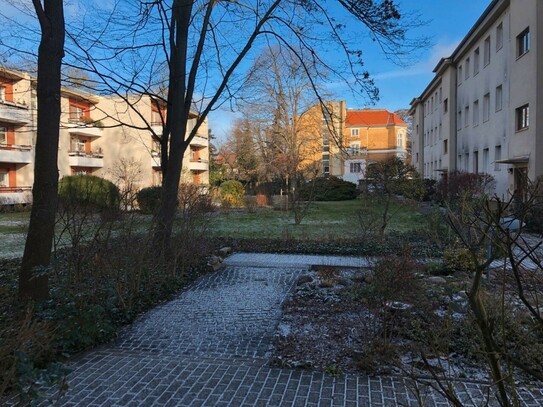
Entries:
{"x":329,"y":189}
{"x":88,"y":192}
{"x":149,"y":199}
{"x":232,"y":193}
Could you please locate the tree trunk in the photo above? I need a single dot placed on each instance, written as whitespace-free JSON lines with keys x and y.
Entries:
{"x":177,"y":119}
{"x":33,"y":280}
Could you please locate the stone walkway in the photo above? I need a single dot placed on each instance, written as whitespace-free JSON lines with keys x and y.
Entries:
{"x":210,"y":346}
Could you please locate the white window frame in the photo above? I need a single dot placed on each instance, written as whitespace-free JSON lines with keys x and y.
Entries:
{"x":355,"y":132}
{"x":499,"y":37}
{"x":522,"y":117}
{"x":486,"y":51}
{"x":523,"y":42}
{"x":499,"y":98}
{"x":476,"y":113}
{"x":486,"y":107}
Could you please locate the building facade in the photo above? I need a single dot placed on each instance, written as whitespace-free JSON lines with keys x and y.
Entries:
{"x":371,"y":135}
{"x":481,"y":110}
{"x":98,"y":135}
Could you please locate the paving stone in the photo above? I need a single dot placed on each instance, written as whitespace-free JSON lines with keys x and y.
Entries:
{"x":210,"y":345}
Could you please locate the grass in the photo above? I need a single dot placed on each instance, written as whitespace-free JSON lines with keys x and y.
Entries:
{"x":325,"y":220}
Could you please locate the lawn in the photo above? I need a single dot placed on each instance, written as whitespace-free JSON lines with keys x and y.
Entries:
{"x":325,"y":220}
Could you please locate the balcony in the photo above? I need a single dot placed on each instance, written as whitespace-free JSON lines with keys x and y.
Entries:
{"x":12,"y":153}
{"x":81,"y":159}
{"x":14,"y":113}
{"x":155,"y":159}
{"x":83,"y":129}
{"x":199,"y":141}
{"x":15,"y":195}
{"x":198,"y":165}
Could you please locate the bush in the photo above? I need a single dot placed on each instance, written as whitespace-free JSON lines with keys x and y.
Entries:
{"x":250,"y":203}
{"x":149,"y":199}
{"x":457,"y":185}
{"x":232,"y":193}
{"x":88,"y":192}
{"x":192,"y":198}
{"x":329,"y":189}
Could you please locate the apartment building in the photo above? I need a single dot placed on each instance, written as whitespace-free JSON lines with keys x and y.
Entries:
{"x":96,"y":134}
{"x":345,"y":141}
{"x":371,"y":135}
{"x":16,"y":136}
{"x":481,"y":110}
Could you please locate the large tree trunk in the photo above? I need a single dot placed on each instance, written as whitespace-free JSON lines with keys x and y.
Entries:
{"x":177,"y":119}
{"x":33,"y":281}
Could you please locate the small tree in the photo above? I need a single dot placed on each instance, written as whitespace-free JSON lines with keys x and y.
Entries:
{"x":385,"y":180}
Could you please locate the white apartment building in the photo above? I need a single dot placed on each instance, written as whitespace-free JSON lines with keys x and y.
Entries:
{"x":96,"y":132}
{"x":481,"y":110}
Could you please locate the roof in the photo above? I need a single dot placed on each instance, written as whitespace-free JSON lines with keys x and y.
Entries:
{"x":372,"y":117}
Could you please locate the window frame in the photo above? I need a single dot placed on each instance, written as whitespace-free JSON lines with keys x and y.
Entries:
{"x":523,"y":42}
{"x":522,"y":117}
{"x":486,"y":51}
{"x":499,"y":36}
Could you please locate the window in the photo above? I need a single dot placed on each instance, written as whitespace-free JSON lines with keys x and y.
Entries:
{"x":523,"y":117}
{"x":466,"y":68}
{"x":485,"y":160}
{"x":445,"y":105}
{"x":354,"y":132}
{"x":445,"y":146}
{"x":417,"y":157}
{"x":523,"y":42}
{"x":466,"y":116}
{"x":3,"y":135}
{"x":2,"y":94}
{"x":476,"y":113}
{"x":499,"y":97}
{"x":400,"y":139}
{"x":78,"y":145}
{"x":459,"y":74}
{"x":459,"y":119}
{"x":476,"y":162}
{"x":3,"y":178}
{"x":476,"y":61}
{"x":432,"y":103}
{"x":486,"y":107}
{"x":355,"y":168}
{"x":459,"y":161}
{"x":440,"y":95}
{"x":499,"y":36}
{"x":486,"y":55}
{"x":497,"y":157}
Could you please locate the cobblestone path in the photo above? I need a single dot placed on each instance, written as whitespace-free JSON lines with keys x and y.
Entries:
{"x":210,"y":346}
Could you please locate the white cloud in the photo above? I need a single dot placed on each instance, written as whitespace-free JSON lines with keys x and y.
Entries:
{"x":442,"y":49}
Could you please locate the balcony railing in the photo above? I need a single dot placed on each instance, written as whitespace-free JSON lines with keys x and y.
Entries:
{"x":15,"y":195}
{"x":197,"y":164}
{"x":84,"y":129}
{"x":84,"y":159}
{"x":14,"y":113}
{"x":199,"y":141}
{"x":13,"y":153}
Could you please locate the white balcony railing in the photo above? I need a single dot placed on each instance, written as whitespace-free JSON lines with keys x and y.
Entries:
{"x":15,"y":195}
{"x":83,"y":129}
{"x":94,"y":159}
{"x":16,"y":154}
{"x":14,"y":113}
{"x":198,"y":165}
{"x":199,"y":141}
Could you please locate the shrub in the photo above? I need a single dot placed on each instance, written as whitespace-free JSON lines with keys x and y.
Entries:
{"x":250,"y":203}
{"x":192,"y":198}
{"x":88,"y":192}
{"x":329,"y":189}
{"x":457,"y":185}
{"x":232,"y":193}
{"x":457,"y":258}
{"x":149,"y":199}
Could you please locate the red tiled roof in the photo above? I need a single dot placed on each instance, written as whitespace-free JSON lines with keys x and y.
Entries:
{"x":371,"y":117}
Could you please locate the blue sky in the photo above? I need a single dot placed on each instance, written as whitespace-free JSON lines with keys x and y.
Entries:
{"x":448,"y":22}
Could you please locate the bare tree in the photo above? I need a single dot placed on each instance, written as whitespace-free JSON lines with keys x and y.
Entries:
{"x":33,"y":282}
{"x":190,"y":56}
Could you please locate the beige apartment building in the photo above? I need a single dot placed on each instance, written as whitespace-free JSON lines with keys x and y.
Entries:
{"x":96,"y":134}
{"x":481,"y":111}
